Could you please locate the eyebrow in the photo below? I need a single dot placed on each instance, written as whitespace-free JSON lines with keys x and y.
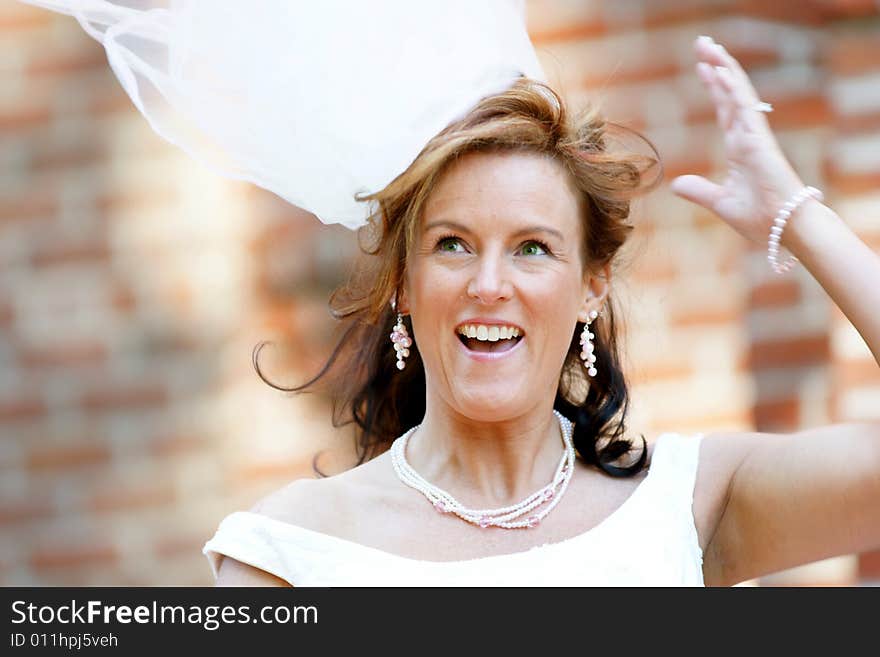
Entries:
{"x":522,"y":231}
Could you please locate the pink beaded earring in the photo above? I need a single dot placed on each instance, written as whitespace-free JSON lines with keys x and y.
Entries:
{"x":587,"y":347}
{"x":400,"y":338}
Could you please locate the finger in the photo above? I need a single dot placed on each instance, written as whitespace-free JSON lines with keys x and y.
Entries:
{"x":740,"y":77}
{"x":739,"y":98}
{"x":716,"y":54}
{"x":698,"y":190}
{"x":723,"y":106}
{"x":742,"y":101}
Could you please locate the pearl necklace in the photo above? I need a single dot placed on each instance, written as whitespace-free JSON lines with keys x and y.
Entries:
{"x":508,"y":517}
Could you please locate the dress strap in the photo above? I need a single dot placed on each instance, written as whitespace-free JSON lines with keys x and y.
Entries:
{"x":297,"y":555}
{"x":675,"y":460}
{"x":674,"y":466}
{"x":241,"y":536}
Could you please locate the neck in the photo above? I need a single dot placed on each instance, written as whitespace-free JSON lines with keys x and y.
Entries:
{"x":487,"y":463}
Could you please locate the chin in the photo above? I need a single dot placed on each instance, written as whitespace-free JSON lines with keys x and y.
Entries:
{"x":489,"y":408}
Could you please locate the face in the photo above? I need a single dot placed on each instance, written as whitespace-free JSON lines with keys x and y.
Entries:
{"x":498,"y":245}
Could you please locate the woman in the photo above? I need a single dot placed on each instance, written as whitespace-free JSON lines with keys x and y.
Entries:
{"x":497,"y":244}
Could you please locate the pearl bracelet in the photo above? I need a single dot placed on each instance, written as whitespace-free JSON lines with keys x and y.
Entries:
{"x":779,"y":222}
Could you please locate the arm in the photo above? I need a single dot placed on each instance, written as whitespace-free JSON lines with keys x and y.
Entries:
{"x":301,"y":502}
{"x":235,"y":573}
{"x":792,"y":498}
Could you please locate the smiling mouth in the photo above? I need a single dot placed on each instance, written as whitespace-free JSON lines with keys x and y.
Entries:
{"x":498,"y":346}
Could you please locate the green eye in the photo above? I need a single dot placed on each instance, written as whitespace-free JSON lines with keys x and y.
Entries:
{"x":448,"y":244}
{"x":528,"y":248}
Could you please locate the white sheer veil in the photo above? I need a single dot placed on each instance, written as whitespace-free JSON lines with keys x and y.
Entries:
{"x":314,"y":100}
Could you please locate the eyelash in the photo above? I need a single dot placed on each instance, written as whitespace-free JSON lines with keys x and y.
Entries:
{"x":451,"y":236}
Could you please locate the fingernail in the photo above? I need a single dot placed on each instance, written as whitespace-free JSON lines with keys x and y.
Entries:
{"x":706,"y":38}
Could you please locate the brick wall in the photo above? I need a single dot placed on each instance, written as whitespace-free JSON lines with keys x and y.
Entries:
{"x":715,"y":339}
{"x":134,"y":284}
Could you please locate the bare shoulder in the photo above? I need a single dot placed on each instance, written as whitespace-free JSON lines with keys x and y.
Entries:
{"x":719,"y":457}
{"x":302,"y":502}
{"x":328,"y":505}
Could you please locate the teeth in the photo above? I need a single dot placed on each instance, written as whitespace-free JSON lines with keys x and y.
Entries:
{"x":489,"y":333}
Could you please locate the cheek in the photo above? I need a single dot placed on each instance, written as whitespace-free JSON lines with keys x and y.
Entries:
{"x":431,"y":298}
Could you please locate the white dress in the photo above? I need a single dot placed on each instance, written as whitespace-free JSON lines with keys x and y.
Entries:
{"x":650,"y":540}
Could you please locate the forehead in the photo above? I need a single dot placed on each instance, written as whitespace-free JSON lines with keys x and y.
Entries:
{"x":506,"y":185}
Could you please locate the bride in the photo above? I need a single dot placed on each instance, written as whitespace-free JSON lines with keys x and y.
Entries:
{"x":480,"y":363}
{"x":489,"y":316}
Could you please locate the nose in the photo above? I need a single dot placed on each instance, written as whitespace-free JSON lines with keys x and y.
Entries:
{"x":490,"y":282}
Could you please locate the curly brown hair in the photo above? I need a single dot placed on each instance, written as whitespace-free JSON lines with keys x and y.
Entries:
{"x":367,"y":387}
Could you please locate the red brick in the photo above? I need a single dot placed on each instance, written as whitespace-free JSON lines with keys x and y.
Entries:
{"x":17,"y":119}
{"x":63,"y":555}
{"x":7,"y":316}
{"x":789,"y":112}
{"x":68,"y":456}
{"x":24,"y":510}
{"x":55,"y":62}
{"x":778,"y":414}
{"x":751,"y":57}
{"x":179,"y":545}
{"x":123,"y":298}
{"x":699,"y":114}
{"x":647,"y":372}
{"x":36,"y":204}
{"x":124,"y":398}
{"x":280,"y":468}
{"x":853,"y":54}
{"x":700,"y":316}
{"x":141,"y":198}
{"x":849,"y":124}
{"x":775,"y":293}
{"x":14,"y":410}
{"x":129,"y":496}
{"x":69,"y":157}
{"x":790,"y":352}
{"x":806,"y":13}
{"x":18,"y":17}
{"x":654,"y":270}
{"x":802,"y":111}
{"x":684,"y":422}
{"x":62,"y":253}
{"x":647,"y":71}
{"x":114,"y":100}
{"x":856,"y":373}
{"x":68,"y":355}
{"x":844,"y":9}
{"x":661,"y":14}
{"x":851,"y":182}
{"x":700,"y":167}
{"x":174,"y":445}
{"x":574,"y":32}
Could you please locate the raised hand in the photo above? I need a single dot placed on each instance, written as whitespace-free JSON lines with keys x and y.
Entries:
{"x":759,"y":178}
